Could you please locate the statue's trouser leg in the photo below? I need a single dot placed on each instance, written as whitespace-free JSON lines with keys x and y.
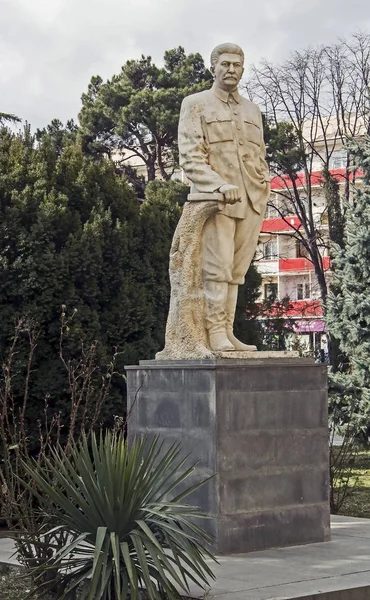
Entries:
{"x":228,"y":247}
{"x":217,"y":263}
{"x":232,"y":298}
{"x":215,"y":315}
{"x":245,"y":243}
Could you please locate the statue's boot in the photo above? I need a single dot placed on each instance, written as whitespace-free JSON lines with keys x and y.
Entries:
{"x":232,"y":298}
{"x":215,"y":293}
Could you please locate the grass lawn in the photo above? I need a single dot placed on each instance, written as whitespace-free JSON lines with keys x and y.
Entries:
{"x":357,"y":503}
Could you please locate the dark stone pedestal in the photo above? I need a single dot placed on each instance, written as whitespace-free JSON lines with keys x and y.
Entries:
{"x":261,"y":426}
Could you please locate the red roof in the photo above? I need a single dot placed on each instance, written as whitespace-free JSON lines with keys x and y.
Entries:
{"x":283,"y":181}
{"x":301,"y":264}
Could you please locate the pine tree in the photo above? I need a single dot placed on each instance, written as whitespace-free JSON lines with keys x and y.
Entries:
{"x":138,"y":110}
{"x":348,"y":306}
{"x":8,"y":118}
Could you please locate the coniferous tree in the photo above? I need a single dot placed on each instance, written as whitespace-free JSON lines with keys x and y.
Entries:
{"x":70,"y":234}
{"x":247,"y":327}
{"x":348,"y":306}
{"x":159,"y":217}
{"x":137,"y":111}
{"x":8,"y":118}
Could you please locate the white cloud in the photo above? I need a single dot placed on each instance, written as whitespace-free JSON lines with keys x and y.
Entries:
{"x":50,"y":48}
{"x":12,"y":64}
{"x":42,"y":11}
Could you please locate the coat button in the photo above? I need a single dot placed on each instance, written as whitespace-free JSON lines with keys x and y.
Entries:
{"x":238,"y":127}
{"x":236,"y":112}
{"x":241,"y":142}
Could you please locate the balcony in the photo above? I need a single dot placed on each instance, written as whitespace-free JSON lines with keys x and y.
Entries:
{"x":307,"y":315}
{"x":281,"y":225}
{"x":298,"y":309}
{"x":300,"y":265}
{"x":267,"y":266}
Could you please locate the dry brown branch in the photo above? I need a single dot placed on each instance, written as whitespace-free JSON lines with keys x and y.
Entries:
{"x":88,"y":391}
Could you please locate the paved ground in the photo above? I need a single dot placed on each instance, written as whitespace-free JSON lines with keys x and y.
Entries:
{"x":300,"y":572}
{"x":6,"y":551}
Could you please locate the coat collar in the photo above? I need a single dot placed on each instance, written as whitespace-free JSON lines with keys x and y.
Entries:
{"x":223,"y":95}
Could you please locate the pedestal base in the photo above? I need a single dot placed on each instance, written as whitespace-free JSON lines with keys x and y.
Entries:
{"x":260,"y":425}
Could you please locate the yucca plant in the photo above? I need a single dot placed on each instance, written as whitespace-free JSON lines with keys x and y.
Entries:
{"x":127,"y":526}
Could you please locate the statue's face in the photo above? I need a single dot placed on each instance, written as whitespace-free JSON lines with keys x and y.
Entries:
{"x":228,"y":71}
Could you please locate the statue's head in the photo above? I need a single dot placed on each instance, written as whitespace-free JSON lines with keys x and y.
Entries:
{"x":227,"y":66}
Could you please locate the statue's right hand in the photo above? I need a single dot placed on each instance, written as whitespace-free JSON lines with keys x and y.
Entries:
{"x":231,"y":193}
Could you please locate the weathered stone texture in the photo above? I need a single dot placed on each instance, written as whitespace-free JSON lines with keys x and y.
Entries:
{"x":261,"y":427}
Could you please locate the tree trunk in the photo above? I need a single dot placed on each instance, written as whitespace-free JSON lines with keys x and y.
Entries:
{"x":161,"y":166}
{"x":150,"y":168}
{"x":335,"y":213}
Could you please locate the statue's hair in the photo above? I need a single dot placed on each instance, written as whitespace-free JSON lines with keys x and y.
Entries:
{"x":225,"y":49}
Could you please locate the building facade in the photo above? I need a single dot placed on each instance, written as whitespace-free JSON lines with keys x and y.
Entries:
{"x":282,"y":258}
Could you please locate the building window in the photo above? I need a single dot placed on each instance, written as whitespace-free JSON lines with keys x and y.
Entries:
{"x":286,"y":207}
{"x":338,"y":160}
{"x":270,"y":291}
{"x":270,"y":250}
{"x":285,"y":210}
{"x":301,"y":250}
{"x":271,"y":211}
{"x":303,"y":291}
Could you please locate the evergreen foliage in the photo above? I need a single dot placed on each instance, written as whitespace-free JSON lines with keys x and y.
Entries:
{"x":348,"y":306}
{"x":128,"y":527}
{"x":8,"y":118}
{"x":159,"y":215}
{"x":72,"y":233}
{"x":137,"y":111}
{"x":246,"y":326}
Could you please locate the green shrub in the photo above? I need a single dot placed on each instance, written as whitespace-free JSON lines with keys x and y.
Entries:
{"x":128,"y":527}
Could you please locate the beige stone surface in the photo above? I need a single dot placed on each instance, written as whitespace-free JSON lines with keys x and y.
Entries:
{"x":222,"y":153}
{"x":222,"y":143}
{"x":201,"y":197}
{"x":258,"y":355}
{"x":186,"y":336}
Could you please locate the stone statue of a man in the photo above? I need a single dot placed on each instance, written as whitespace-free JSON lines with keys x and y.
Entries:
{"x":222,"y":153}
{"x":222,"y":150}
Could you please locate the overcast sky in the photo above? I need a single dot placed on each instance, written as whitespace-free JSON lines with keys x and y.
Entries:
{"x":49,"y":49}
